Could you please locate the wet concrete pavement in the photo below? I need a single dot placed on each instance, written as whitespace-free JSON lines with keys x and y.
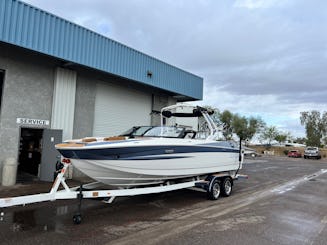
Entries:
{"x":284,"y":201}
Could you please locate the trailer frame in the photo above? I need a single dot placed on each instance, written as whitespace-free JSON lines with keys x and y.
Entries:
{"x":90,"y":190}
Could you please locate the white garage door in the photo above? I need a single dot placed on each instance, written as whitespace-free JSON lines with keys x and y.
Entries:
{"x":118,"y":109}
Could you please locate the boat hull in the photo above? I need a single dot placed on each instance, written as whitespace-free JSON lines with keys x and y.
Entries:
{"x":146,"y":162}
{"x":133,"y":172}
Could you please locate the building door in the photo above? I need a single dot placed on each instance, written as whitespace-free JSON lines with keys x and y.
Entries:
{"x":119,"y":108}
{"x":37,"y":154}
{"x":51,"y":137}
{"x":29,"y":153}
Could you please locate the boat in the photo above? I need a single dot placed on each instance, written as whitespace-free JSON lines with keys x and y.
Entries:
{"x":164,"y":153}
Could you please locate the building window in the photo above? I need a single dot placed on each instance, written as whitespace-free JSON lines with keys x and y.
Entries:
{"x":2,"y":75}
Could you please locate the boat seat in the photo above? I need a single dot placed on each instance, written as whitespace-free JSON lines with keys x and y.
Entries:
{"x":113,"y":138}
{"x":70,"y":144}
{"x":189,"y":134}
{"x":88,"y":140}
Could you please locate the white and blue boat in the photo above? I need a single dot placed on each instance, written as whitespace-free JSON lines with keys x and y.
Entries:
{"x":162,"y":154}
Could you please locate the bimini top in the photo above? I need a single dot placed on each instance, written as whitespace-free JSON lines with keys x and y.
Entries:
{"x":178,"y":110}
{"x":26,"y":26}
{"x":194,"y":111}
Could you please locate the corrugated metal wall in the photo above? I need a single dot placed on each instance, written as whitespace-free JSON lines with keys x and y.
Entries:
{"x":32,"y":28}
{"x":63,"y":105}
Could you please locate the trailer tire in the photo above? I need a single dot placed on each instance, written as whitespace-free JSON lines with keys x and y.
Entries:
{"x":214,"y":190}
{"x":77,"y":219}
{"x":226,"y":186}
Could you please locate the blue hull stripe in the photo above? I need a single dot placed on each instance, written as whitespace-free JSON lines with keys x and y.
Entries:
{"x":127,"y":153}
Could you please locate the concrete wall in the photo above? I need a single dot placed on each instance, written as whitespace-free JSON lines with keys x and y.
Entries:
{"x":84,"y":111}
{"x":27,"y":93}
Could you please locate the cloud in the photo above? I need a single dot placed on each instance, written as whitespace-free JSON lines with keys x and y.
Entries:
{"x":262,"y":57}
{"x":257,"y":4}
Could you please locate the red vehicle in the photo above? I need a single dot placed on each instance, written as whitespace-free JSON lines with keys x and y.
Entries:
{"x":294,"y":153}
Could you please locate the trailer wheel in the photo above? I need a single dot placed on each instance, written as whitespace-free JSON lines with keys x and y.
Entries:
{"x":214,"y":190}
{"x":77,"y":219}
{"x":227,"y":186}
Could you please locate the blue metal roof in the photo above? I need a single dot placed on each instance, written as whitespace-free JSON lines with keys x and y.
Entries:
{"x":32,"y":28}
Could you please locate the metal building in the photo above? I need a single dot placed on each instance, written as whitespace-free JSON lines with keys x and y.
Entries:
{"x":59,"y":81}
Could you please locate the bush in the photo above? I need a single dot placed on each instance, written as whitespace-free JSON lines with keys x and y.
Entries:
{"x":285,"y":152}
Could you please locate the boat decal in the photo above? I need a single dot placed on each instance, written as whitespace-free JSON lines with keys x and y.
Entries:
{"x":169,"y":151}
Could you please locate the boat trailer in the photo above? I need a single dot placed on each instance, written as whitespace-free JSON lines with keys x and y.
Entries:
{"x":214,"y":184}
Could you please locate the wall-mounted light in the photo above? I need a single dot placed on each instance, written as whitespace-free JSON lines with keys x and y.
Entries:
{"x":66,"y":64}
{"x":149,"y":74}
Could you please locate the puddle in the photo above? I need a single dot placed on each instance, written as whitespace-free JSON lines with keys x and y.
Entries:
{"x":26,"y":220}
{"x":44,"y":219}
{"x":23,"y":220}
{"x":47,"y":217}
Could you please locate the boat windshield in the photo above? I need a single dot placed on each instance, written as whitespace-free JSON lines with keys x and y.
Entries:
{"x":169,"y":132}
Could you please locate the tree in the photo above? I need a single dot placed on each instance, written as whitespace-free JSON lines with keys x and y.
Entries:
{"x":324,"y":141}
{"x":269,"y":134}
{"x":281,"y":137}
{"x":226,"y":118}
{"x":315,"y":126}
{"x":243,"y":127}
{"x":300,"y":140}
{"x":246,"y":128}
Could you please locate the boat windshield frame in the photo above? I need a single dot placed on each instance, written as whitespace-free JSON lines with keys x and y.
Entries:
{"x":136,"y":131}
{"x":165,"y":132}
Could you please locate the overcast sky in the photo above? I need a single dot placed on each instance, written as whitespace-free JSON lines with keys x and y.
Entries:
{"x":264,"y":58}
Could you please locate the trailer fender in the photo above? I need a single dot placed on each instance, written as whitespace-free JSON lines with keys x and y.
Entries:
{"x":211,"y":180}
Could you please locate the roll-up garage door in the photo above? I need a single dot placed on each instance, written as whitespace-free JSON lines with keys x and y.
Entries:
{"x":118,"y":109}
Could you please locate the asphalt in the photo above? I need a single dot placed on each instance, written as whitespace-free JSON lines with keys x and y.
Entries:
{"x":284,"y":201}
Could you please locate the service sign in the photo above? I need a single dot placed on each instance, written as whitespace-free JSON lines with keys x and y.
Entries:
{"x":30,"y":121}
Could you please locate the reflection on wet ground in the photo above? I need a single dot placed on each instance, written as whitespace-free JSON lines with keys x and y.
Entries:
{"x":34,"y":218}
{"x":40,"y":219}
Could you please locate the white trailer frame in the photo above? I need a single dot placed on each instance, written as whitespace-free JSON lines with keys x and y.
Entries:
{"x":80,"y":193}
